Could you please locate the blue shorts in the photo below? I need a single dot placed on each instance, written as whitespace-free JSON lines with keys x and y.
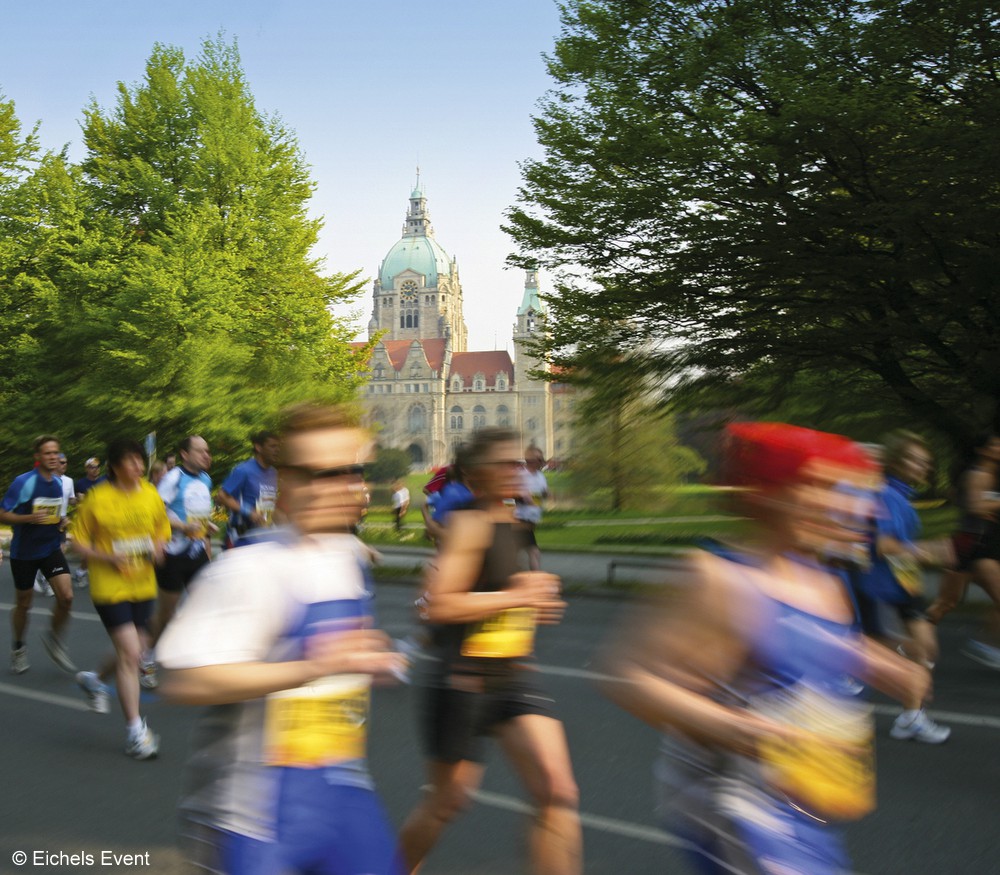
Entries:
{"x":123,"y":613}
{"x":322,"y":829}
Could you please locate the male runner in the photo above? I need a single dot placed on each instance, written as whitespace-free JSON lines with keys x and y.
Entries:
{"x":186,"y":491}
{"x":277,"y":637}
{"x":33,"y":508}
{"x":249,"y":492}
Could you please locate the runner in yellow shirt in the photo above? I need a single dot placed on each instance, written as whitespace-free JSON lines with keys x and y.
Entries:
{"x":121,"y":530}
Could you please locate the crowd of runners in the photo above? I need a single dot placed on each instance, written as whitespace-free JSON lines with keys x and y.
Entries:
{"x":754,"y":665}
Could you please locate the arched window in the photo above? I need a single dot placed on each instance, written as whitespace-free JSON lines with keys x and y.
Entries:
{"x":409,"y":319}
{"x":501,"y":382}
{"x":456,"y":384}
{"x":456,"y":418}
{"x":478,"y":383}
{"x":416,"y":419}
{"x":503,"y":416}
{"x":479,"y":416}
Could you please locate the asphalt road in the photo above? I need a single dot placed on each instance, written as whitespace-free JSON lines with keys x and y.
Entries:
{"x":69,"y":789}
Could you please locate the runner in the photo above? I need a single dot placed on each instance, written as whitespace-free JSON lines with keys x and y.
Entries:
{"x":276,"y":631}
{"x":765,"y":754}
{"x":484,"y":614}
{"x":400,"y":503}
{"x":251,"y":489}
{"x":186,"y":491}
{"x":535,"y":489}
{"x":68,"y":501}
{"x":122,"y":529}
{"x":894,"y":579}
{"x":33,"y":508}
{"x":82,"y":486}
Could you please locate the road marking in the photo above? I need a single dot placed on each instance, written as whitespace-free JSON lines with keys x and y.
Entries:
{"x":591,"y":821}
{"x":48,"y":698}
{"x":956,"y":717}
{"x":40,"y":611}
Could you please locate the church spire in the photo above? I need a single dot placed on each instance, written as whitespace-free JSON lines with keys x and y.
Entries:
{"x":418,"y":219}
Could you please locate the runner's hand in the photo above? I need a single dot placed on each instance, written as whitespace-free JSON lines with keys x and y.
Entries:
{"x":541,"y":591}
{"x":356,"y":651}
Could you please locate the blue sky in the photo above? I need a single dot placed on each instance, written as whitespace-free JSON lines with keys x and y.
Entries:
{"x":370,"y":88}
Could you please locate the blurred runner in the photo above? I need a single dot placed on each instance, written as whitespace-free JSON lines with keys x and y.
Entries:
{"x":529,"y":503}
{"x":251,"y":490}
{"x":277,"y":637}
{"x":122,"y":529}
{"x":765,"y":754}
{"x":483,"y":613}
{"x":33,"y":509}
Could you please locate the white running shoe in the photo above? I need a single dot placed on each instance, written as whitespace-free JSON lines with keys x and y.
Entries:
{"x":984,"y":654}
{"x":57,"y":653}
{"x":80,"y":578}
{"x":143,"y":744}
{"x":919,"y":728}
{"x":98,"y":697}
{"x":147,"y":675}
{"x":19,"y":661}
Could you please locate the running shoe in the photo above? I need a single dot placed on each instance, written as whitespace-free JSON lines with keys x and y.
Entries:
{"x":147,"y":675}
{"x":143,"y":744}
{"x":80,"y":579}
{"x":919,"y":728}
{"x":19,"y":661}
{"x":57,"y":653}
{"x":98,"y":697}
{"x":984,"y":654}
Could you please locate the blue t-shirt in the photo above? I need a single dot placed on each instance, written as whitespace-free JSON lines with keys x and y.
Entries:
{"x":452,"y":496}
{"x":255,"y":488}
{"x":85,"y":483}
{"x":31,"y":541}
{"x":895,"y":517}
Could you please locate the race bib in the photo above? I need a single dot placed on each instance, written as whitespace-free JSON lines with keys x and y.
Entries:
{"x":265,"y":504}
{"x":52,"y":508}
{"x":908,"y":574}
{"x":829,"y":771}
{"x":507,"y":635}
{"x":138,"y":551}
{"x":317,"y":725}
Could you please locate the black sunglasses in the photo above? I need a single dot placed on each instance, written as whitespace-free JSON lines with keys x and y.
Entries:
{"x":307,"y":473}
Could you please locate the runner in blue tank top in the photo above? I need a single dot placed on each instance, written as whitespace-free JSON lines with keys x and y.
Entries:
{"x":747,"y":668}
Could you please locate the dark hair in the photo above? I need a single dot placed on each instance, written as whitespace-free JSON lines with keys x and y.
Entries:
{"x":43,"y":439}
{"x":118,"y":450}
{"x":185,"y":445}
{"x":258,"y":439}
{"x":896,"y":444}
{"x":485,"y":440}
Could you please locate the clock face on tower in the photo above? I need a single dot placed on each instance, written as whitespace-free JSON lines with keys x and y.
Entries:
{"x":408,"y":292}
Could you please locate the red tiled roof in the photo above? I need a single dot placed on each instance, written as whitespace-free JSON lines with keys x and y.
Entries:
{"x":434,"y":350}
{"x":397,"y":351}
{"x":489,"y":364}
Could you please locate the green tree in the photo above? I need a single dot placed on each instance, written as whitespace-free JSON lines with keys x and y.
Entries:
{"x":173,"y":286}
{"x":624,"y":441}
{"x":793,"y":186}
{"x":389,"y":464}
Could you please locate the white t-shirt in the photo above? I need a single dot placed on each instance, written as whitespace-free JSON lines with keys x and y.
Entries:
{"x":400,"y":497}
{"x":68,"y":493}
{"x":259,"y":603}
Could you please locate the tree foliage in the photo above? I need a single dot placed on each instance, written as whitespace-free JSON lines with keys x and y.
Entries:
{"x":624,"y":441}
{"x":166,"y":282}
{"x":793,"y":186}
{"x":389,"y":464}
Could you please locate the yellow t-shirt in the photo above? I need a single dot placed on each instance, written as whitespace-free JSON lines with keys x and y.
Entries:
{"x":123,"y":523}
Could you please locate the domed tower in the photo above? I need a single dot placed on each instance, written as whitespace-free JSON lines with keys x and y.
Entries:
{"x":417,"y":295}
{"x":534,"y":395}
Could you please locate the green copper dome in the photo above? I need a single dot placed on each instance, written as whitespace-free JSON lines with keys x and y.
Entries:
{"x":423,"y":255}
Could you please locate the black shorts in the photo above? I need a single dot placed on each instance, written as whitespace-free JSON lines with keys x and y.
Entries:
{"x":176,"y":572}
{"x":123,"y":613}
{"x":24,"y":570}
{"x":461,"y":710}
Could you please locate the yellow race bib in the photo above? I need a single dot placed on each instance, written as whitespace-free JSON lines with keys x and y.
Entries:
{"x":506,"y":635}
{"x":829,"y":771}
{"x":317,"y":725}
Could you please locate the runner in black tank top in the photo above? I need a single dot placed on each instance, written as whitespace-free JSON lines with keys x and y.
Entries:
{"x":484,"y":612}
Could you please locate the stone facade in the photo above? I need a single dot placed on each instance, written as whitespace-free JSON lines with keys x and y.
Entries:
{"x":426,"y":391}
